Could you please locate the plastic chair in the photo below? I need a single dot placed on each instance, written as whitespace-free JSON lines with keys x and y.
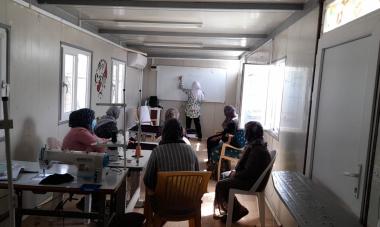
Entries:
{"x":177,"y":197}
{"x":257,"y":189}
{"x":230,"y":152}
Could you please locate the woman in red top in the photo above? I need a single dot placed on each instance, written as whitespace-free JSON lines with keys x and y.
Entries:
{"x":81,"y":136}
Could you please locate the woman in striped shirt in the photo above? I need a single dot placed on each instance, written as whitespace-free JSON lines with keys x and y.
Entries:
{"x":173,"y":154}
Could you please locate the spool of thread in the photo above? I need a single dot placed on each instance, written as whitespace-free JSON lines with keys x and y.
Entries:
{"x":138,"y":151}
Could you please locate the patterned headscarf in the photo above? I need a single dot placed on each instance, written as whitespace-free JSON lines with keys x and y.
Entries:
{"x":81,"y":118}
{"x":113,"y":111}
{"x":171,"y":113}
{"x":254,"y":132}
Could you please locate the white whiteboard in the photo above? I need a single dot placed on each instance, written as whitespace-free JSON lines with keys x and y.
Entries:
{"x":212,"y":80}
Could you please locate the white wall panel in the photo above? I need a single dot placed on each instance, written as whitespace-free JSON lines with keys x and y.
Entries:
{"x":297,"y":45}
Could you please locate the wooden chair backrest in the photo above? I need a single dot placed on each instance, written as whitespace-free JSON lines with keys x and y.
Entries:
{"x":181,"y":189}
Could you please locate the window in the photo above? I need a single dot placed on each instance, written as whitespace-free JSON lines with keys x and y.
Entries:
{"x":262,"y":95}
{"x":3,"y":68}
{"x":340,"y":12}
{"x":118,"y":76}
{"x":75,"y":80}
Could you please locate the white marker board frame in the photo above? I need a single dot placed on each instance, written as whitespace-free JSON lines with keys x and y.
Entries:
{"x":212,"y":80}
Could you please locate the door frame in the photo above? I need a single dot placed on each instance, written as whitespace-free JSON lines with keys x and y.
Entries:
{"x":363,"y":27}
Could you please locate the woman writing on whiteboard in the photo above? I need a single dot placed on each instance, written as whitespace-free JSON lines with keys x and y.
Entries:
{"x":195,"y":97}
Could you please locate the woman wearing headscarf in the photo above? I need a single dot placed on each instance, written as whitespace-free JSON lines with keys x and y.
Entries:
{"x":195,"y":97}
{"x":81,"y":136}
{"x":229,"y":126}
{"x":107,"y":124}
{"x":172,"y":154}
{"x":252,"y":164}
{"x":171,"y":113}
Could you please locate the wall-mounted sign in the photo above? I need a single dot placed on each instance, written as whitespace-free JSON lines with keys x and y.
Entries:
{"x":101,"y":77}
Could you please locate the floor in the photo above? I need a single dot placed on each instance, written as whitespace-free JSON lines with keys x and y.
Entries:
{"x":252,"y":219}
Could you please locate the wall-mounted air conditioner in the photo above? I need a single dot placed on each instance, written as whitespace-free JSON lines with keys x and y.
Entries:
{"x":136,"y":60}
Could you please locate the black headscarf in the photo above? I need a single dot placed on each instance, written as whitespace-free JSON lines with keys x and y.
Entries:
{"x":230,"y":114}
{"x":254,"y":132}
{"x":82,"y":118}
{"x":172,"y":132}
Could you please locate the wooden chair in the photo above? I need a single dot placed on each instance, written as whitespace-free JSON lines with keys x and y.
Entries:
{"x":229,"y":152}
{"x":177,"y":197}
{"x":257,"y":189}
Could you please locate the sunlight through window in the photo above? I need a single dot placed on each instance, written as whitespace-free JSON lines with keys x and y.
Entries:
{"x":340,"y":12}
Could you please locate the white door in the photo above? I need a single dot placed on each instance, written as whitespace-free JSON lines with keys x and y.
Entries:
{"x":344,"y":92}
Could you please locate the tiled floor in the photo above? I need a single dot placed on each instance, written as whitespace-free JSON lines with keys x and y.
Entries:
{"x":252,"y":219}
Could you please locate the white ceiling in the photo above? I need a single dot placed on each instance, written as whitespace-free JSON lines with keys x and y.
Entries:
{"x":261,"y":22}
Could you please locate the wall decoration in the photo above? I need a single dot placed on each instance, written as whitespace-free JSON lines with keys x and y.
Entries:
{"x":101,"y":77}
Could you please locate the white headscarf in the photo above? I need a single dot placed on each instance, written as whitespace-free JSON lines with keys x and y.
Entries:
{"x":197,"y":92}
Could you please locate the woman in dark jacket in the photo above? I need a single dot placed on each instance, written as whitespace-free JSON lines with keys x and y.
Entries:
{"x":229,"y":126}
{"x":107,"y":124}
{"x":252,"y":164}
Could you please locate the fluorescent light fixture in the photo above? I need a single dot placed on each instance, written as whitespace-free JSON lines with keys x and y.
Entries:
{"x":150,"y":24}
{"x":185,"y":45}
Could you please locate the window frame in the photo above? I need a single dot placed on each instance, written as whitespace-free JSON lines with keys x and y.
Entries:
{"x":276,"y":134}
{"x":67,"y":48}
{"x":325,"y":10}
{"x":4,"y":59}
{"x":117,"y":61}
{"x":269,"y":120}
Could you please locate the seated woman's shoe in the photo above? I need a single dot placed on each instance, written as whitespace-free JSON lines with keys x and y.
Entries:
{"x":237,"y":215}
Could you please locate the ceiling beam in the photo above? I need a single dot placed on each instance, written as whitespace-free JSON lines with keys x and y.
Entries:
{"x":183,"y":34}
{"x":182,"y":5}
{"x":137,"y":46}
{"x":181,"y":56}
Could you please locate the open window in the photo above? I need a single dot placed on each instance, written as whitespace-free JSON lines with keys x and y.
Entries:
{"x":75,"y":80}
{"x":262,"y":95}
{"x":340,"y":12}
{"x":118,"y":80}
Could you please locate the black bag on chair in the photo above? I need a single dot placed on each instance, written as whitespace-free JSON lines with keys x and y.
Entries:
{"x":153,"y":101}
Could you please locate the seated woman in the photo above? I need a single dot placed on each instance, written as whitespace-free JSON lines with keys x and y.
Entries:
{"x":229,"y":126}
{"x":171,"y":155}
{"x":249,"y":168}
{"x":235,"y":138}
{"x":81,"y":136}
{"x":171,"y":113}
{"x":107,"y":124}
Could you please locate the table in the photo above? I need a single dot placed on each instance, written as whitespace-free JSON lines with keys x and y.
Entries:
{"x":131,"y":161}
{"x":135,"y":170}
{"x":113,"y":183}
{"x":149,"y":130}
{"x":310,"y":204}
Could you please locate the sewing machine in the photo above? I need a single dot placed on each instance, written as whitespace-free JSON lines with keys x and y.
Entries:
{"x":90,"y":164}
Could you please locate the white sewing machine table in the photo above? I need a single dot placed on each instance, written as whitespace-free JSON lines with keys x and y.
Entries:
{"x":113,"y":183}
{"x":135,"y":170}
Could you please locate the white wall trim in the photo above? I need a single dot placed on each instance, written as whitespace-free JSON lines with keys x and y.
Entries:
{"x":54,"y":17}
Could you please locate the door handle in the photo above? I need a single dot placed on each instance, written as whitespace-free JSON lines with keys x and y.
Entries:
{"x":349,"y":174}
{"x":357,"y":175}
